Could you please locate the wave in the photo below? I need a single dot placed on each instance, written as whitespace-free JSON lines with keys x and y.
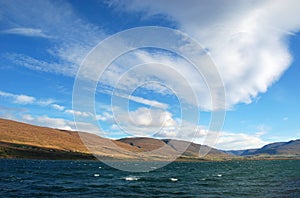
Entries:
{"x":173,"y":179}
{"x":131,"y":178}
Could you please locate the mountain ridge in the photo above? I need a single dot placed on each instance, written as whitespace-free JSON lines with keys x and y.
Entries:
{"x":22,"y":140}
{"x":291,"y":147}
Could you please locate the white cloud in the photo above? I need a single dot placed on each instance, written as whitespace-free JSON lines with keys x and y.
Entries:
{"x":19,"y":99}
{"x":58,"y":107}
{"x":185,"y":131}
{"x":239,"y":141}
{"x":151,"y":118}
{"x":46,"y":121}
{"x":25,"y":100}
{"x":148,"y":102}
{"x":159,"y":73}
{"x":78,"y":113}
{"x":25,"y":32}
{"x":155,"y":123}
{"x":141,"y":100}
{"x":143,"y":121}
{"x":104,"y":117}
{"x":46,"y":102}
{"x":60,"y":123}
{"x":114,"y":127}
{"x":246,"y":39}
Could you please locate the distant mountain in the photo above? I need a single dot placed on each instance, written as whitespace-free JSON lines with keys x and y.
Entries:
{"x":241,"y":152}
{"x":20,"y":140}
{"x":278,"y":148}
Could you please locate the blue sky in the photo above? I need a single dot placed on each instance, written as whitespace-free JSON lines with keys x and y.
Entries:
{"x":255,"y":46}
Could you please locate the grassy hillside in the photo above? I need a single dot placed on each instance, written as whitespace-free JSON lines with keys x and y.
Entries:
{"x":28,"y":141}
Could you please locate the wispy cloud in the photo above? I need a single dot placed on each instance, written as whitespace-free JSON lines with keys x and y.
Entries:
{"x":59,"y":123}
{"x":137,"y":99}
{"x":23,"y":99}
{"x":105,"y":117}
{"x":19,"y":99}
{"x":148,"y":102}
{"x":41,"y":65}
{"x":177,"y":74}
{"x":9,"y":113}
{"x":78,"y":113}
{"x":26,"y":32}
{"x":70,"y":37}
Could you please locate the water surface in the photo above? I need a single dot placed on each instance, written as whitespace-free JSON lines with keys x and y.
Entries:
{"x":43,"y":178}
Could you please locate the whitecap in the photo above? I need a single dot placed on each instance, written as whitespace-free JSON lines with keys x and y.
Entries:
{"x":133,"y":178}
{"x":173,"y":179}
{"x":219,"y":175}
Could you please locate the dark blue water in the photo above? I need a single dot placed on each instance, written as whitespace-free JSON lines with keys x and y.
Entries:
{"x":37,"y":178}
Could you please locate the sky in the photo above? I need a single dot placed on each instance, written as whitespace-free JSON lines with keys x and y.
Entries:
{"x":252,"y":47}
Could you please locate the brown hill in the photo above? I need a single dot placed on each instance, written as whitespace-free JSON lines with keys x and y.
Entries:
{"x":17,"y":133}
{"x":174,"y":147}
{"x":193,"y":149}
{"x":28,"y":141}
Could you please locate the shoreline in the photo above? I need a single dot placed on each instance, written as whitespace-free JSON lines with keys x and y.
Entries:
{"x":27,"y":152}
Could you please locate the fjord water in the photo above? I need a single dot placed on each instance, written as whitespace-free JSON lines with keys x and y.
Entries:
{"x":43,"y":178}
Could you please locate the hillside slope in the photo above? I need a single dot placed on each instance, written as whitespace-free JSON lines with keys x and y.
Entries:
{"x":16,"y":134}
{"x":174,"y":147}
{"x":28,"y":141}
{"x":279,"y":148}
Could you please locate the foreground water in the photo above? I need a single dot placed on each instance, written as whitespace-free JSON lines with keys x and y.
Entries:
{"x":42,"y":178}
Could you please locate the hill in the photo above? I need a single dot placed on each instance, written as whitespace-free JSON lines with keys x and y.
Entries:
{"x":279,"y":148}
{"x":290,"y":148}
{"x":173,"y":147}
{"x":241,"y":152}
{"x":20,"y":140}
{"x":23,"y":140}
